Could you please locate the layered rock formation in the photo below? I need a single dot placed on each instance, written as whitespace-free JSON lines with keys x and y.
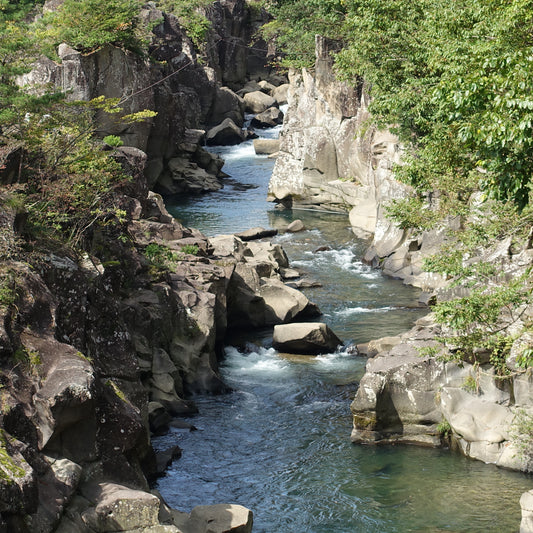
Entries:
{"x":330,"y":158}
{"x":409,"y":392}
{"x":190,"y":94}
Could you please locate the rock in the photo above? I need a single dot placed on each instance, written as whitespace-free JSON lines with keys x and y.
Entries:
{"x":220,"y":518}
{"x":250,"y":87}
{"x":226,"y":133}
{"x":266,"y":146}
{"x":526,"y":503}
{"x":256,"y":233}
{"x":227,"y":104}
{"x":267,"y":119}
{"x":381,"y":346}
{"x":305,"y":338}
{"x":284,"y":304}
{"x":158,"y":417}
{"x":296,"y":226}
{"x":119,"y":508}
{"x":289,"y":273}
{"x":166,"y":457}
{"x":266,"y":87}
{"x":257,"y":102}
{"x":18,"y":482}
{"x":57,"y":487}
{"x":280,"y":93}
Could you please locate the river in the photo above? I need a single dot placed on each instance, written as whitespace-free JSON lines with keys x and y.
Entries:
{"x":279,"y":444}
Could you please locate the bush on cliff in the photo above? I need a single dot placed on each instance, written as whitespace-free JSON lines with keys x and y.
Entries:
{"x":87,"y":25}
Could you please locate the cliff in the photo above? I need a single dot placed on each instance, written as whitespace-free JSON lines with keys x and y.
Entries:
{"x":332,"y":158}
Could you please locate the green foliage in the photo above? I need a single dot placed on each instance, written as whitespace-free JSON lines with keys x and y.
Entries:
{"x":525,"y":359}
{"x":478,"y":320}
{"x":191,"y":16}
{"x":295,"y":24}
{"x":470,"y":384}
{"x":160,"y":256}
{"x":9,"y":288}
{"x":87,"y":25}
{"x":191,"y":249}
{"x":113,"y":140}
{"x":444,"y":429}
{"x":522,"y":433}
{"x":452,"y":77}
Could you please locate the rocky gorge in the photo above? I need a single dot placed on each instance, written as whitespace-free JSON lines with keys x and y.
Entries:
{"x":102,"y":350}
{"x":330,"y":159}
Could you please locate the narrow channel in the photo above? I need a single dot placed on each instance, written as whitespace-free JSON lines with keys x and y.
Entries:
{"x":279,"y":444}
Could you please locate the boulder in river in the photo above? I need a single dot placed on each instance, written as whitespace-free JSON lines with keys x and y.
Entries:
{"x":310,"y":338}
{"x":226,"y":133}
{"x":266,"y":146}
{"x":256,"y":233}
{"x":257,"y":102}
{"x":268,"y":119}
{"x":220,"y":518}
{"x":295,"y":226}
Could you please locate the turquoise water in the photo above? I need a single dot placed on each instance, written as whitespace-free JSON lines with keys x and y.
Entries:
{"x":279,"y":444}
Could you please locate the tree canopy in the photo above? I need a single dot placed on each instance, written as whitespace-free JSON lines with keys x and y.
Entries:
{"x":453,"y":77}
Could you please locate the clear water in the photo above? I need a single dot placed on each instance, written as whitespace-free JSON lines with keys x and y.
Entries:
{"x":279,"y":444}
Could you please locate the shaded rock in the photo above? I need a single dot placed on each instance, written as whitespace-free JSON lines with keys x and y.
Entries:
{"x":258,"y":101}
{"x":166,"y":457}
{"x":295,"y":226}
{"x":267,"y":119}
{"x":18,"y":483}
{"x":266,"y":86}
{"x":266,"y":146}
{"x":226,"y":133}
{"x":227,"y":104}
{"x":158,"y":417}
{"x":119,"y":508}
{"x":305,"y":338}
{"x":56,"y":489}
{"x":256,"y":233}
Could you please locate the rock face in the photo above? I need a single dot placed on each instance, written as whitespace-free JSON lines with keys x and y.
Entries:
{"x":309,"y":338}
{"x":187,"y":94}
{"x":97,"y":351}
{"x":329,"y":159}
{"x":409,"y":398}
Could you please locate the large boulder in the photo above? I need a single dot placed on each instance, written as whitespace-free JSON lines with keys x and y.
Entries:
{"x":280,"y":94}
{"x":284,"y":304}
{"x":305,"y":338}
{"x":226,"y":133}
{"x":258,"y":101}
{"x":227,"y":104}
{"x":267,"y":119}
{"x":119,"y":508}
